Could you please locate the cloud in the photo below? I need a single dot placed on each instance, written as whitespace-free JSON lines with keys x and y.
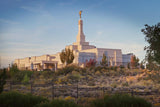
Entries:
{"x":31,"y":9}
{"x":35,"y":8}
{"x":99,"y":33}
{"x":8,"y":21}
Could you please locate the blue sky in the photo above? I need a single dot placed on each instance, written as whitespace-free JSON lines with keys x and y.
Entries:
{"x":37,"y":27}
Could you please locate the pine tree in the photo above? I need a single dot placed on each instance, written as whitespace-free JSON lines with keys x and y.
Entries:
{"x":134,"y":61}
{"x":104,"y":61}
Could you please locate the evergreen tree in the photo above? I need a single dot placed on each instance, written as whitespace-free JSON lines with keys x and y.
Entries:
{"x":25,"y":79}
{"x":104,"y":61}
{"x":128,"y":65}
{"x":13,"y":70}
{"x":134,"y":61}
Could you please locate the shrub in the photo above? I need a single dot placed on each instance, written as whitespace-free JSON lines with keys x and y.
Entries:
{"x":67,"y":69}
{"x":47,"y":74}
{"x":2,"y":79}
{"x":15,"y":99}
{"x":20,"y":76}
{"x":58,"y":103}
{"x":13,"y":69}
{"x":91,"y":63}
{"x":114,"y":85}
{"x":91,"y":83}
{"x":25,"y":79}
{"x":120,"y":100}
{"x":125,"y":84}
{"x":69,"y":98}
{"x":98,"y":68}
{"x":115,"y":68}
{"x":98,"y":73}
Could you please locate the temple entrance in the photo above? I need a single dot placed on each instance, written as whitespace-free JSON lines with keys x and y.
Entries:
{"x":45,"y":66}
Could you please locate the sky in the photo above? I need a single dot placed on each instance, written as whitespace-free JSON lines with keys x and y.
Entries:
{"x":38,"y":27}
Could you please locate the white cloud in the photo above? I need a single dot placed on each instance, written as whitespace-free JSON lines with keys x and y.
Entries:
{"x":99,"y":33}
{"x":8,"y":21}
{"x":31,"y":9}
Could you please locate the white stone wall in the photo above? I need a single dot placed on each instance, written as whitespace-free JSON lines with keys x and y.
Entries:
{"x":115,"y":59}
{"x":126,"y":58}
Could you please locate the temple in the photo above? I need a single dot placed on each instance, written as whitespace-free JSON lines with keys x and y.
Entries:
{"x":82,"y":51}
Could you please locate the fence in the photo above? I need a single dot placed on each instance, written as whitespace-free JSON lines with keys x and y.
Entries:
{"x":52,"y":90}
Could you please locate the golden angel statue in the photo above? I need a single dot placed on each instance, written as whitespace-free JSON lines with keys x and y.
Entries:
{"x":80,"y":12}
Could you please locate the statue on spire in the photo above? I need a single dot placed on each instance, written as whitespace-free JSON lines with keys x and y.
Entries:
{"x":80,"y":12}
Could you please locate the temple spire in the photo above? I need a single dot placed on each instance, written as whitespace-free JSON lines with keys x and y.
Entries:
{"x":80,"y":36}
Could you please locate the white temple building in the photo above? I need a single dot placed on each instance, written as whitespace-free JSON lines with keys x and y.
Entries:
{"x":82,"y":51}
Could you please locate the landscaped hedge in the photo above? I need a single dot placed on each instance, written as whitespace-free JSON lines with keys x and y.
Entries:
{"x":15,"y":99}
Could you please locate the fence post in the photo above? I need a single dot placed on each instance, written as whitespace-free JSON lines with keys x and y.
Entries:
{"x":31,"y":88}
{"x":103,"y":91}
{"x":77,"y":91}
{"x":52,"y":90}
{"x":10,"y":85}
{"x":132,"y":93}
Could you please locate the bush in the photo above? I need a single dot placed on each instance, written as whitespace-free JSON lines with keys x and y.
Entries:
{"x":67,"y":69}
{"x":69,"y":98}
{"x":58,"y":103}
{"x":20,"y":76}
{"x":120,"y":100}
{"x":15,"y":99}
{"x":47,"y":74}
{"x":98,"y":73}
{"x":125,"y":84}
{"x":91,"y":83}
{"x":13,"y":69}
{"x":90,"y":63}
{"x":2,"y":79}
{"x":25,"y":79}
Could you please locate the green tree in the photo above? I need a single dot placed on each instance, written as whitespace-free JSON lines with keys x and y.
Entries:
{"x":67,"y":56}
{"x":2,"y":79}
{"x":128,"y":65}
{"x":104,"y":61}
{"x":150,"y":63}
{"x":134,"y":61}
{"x":25,"y":79}
{"x":63,"y":56}
{"x":13,"y":70}
{"x":153,"y":38}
